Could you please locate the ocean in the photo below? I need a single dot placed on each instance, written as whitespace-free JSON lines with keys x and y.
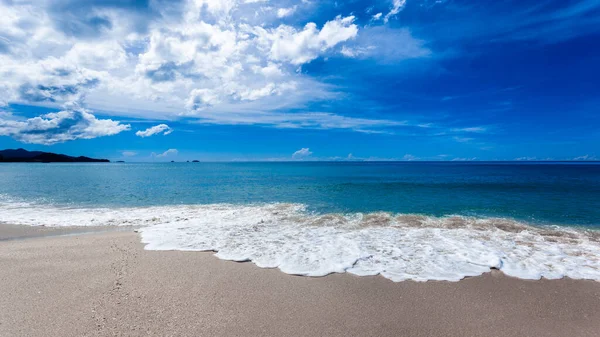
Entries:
{"x":401,"y":220}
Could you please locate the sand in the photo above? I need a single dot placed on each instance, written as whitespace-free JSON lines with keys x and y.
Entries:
{"x":105,"y":284}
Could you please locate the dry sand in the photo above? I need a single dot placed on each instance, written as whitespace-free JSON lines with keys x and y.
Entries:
{"x":105,"y":284}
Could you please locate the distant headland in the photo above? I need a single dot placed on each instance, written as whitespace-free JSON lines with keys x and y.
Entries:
{"x":24,"y":156}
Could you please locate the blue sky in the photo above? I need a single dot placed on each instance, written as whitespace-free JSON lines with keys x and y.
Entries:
{"x":302,"y":80}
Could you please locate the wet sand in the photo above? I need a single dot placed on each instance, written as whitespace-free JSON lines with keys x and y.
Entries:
{"x":10,"y":232}
{"x":105,"y":284}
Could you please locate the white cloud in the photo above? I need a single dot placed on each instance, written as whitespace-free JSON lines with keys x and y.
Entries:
{"x":228,"y":61}
{"x":385,"y":45}
{"x":309,"y":120}
{"x":60,"y":127}
{"x":464,"y":159}
{"x":409,"y":157}
{"x":526,"y":159}
{"x":283,"y":12}
{"x":397,"y":6}
{"x":298,"y":47}
{"x":302,"y":153}
{"x":161,"y":128}
{"x":585,"y":157}
{"x":462,"y":139}
{"x":128,"y":153}
{"x":169,"y":152}
{"x":475,"y":129}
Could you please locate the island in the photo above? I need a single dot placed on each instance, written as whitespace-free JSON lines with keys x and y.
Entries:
{"x":24,"y":156}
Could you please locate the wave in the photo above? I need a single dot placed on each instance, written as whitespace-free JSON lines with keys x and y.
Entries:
{"x":397,"y":246}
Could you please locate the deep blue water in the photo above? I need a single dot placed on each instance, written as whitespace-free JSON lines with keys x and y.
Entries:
{"x":555,"y":193}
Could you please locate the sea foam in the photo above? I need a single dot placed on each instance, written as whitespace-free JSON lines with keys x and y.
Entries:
{"x":398,"y":247}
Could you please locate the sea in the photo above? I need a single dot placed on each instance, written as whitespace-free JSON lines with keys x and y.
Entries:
{"x":416,"y":221}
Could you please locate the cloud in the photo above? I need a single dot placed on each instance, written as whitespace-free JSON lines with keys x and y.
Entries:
{"x":397,"y":6}
{"x":60,"y":127}
{"x":161,"y":128}
{"x":386,"y":45}
{"x":169,"y":152}
{"x":585,"y":157}
{"x":298,"y":47}
{"x":409,"y":157}
{"x":464,"y":159}
{"x":475,"y":129}
{"x":128,"y":153}
{"x":218,"y":62}
{"x":517,"y":21}
{"x":283,"y":12}
{"x":302,"y":153}
{"x":462,"y":139}
{"x":309,"y":120}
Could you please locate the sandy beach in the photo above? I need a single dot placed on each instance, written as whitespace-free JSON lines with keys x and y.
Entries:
{"x":106,"y":284}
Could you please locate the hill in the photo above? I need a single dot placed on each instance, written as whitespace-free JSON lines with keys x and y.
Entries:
{"x":24,"y":156}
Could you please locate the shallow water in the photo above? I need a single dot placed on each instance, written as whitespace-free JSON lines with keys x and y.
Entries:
{"x":418,"y":221}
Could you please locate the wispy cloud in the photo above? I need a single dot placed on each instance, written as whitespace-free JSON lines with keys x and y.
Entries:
{"x":464,"y":159}
{"x":548,"y":22}
{"x":308,"y":120}
{"x":396,"y":8}
{"x":586,"y":157}
{"x":168,"y":153}
{"x":475,"y":129}
{"x":129,"y":153}
{"x":463,"y":139}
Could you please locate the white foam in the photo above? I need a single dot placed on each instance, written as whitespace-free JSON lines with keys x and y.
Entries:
{"x":286,"y":236}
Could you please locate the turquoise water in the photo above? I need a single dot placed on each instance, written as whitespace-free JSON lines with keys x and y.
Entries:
{"x":547,"y":193}
{"x":404,"y":221}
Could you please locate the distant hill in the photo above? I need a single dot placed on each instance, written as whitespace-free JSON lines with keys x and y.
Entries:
{"x":24,"y":156}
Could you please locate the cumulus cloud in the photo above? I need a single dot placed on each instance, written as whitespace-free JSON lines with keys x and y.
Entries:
{"x":298,"y":47}
{"x":158,"y":129}
{"x":302,"y":153}
{"x":60,"y":127}
{"x":229,"y":61}
{"x":128,"y":153}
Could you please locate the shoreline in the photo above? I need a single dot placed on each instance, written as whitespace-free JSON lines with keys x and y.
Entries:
{"x":10,"y":232}
{"x":105,"y":283}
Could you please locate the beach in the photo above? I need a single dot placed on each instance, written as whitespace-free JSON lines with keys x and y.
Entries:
{"x":106,"y":284}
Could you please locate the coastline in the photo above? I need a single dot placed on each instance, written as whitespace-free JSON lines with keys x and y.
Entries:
{"x":9,"y":232}
{"x":105,"y":283}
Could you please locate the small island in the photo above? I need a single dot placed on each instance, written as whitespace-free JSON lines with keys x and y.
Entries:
{"x":24,"y":156}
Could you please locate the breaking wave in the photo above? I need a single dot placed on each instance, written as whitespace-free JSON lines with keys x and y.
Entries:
{"x":397,"y":246}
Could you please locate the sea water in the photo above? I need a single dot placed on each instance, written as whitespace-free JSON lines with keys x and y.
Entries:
{"x":404,"y":221}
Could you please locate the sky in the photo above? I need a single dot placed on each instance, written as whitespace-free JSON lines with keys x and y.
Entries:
{"x":245,"y":80}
